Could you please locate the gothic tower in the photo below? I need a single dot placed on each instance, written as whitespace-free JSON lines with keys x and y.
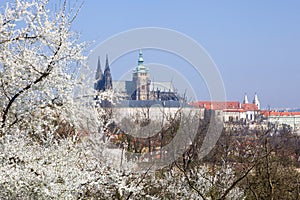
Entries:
{"x":107,"y":76}
{"x":103,"y":80}
{"x":256,"y":101}
{"x":141,"y":80}
{"x":98,"y":85}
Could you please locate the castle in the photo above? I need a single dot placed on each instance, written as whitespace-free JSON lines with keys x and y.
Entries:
{"x":140,"y":88}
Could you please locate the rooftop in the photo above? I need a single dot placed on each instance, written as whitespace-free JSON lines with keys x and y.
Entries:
{"x":268,"y":113}
{"x":228,"y":106}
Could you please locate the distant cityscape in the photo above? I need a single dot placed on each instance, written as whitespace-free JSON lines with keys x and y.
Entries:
{"x":142,"y":92}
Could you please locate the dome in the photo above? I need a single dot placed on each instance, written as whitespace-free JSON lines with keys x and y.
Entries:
{"x":141,"y":59}
{"x":140,"y":68}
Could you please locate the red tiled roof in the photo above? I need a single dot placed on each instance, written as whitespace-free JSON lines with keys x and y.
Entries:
{"x":268,"y":113}
{"x":249,"y":107}
{"x":234,"y":110}
{"x":216,"y":105}
{"x":228,"y":106}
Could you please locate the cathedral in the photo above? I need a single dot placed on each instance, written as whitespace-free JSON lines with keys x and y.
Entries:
{"x":140,"y":88}
{"x":103,"y":80}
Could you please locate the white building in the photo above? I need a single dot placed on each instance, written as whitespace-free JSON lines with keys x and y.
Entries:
{"x":231,"y":111}
{"x":291,"y":119}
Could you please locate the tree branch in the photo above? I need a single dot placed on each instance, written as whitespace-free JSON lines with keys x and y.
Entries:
{"x":19,"y":38}
{"x":189,"y":182}
{"x":143,"y":177}
{"x":46,"y":73}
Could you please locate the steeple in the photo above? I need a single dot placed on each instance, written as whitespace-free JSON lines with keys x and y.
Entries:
{"x":106,"y":62}
{"x":141,"y":68}
{"x":141,"y":59}
{"x":245,"y":99}
{"x":99,"y":77}
{"x":107,"y":76}
{"x":99,"y":73}
{"x":256,"y":101}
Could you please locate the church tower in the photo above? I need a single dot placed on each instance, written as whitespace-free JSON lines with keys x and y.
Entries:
{"x":99,"y":84}
{"x":245,"y":99}
{"x":107,"y":76}
{"x":256,"y":101}
{"x":141,"y":80}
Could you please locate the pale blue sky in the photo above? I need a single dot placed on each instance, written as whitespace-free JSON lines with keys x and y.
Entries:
{"x":255,"y":44}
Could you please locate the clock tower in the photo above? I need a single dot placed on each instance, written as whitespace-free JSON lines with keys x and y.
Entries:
{"x":141,"y":80}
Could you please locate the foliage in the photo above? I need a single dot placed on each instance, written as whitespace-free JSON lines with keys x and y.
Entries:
{"x":65,"y":169}
{"x":38,"y":53}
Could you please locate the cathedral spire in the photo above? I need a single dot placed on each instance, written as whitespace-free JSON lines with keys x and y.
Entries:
{"x":99,"y":77}
{"x":99,"y":73}
{"x":107,"y":76}
{"x":106,"y":62}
